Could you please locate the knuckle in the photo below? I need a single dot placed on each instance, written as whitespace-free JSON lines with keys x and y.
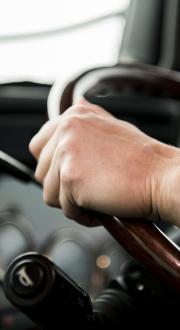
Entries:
{"x":66,"y":176}
{"x":72,"y":180}
{"x":70,"y":175}
{"x":79,"y":109}
{"x":46,"y":197}
{"x":66,"y":148}
{"x":38,"y":175}
{"x":33,"y":145}
{"x":70,"y":123}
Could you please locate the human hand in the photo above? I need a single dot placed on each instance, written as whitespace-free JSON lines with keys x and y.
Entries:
{"x":90,"y":161}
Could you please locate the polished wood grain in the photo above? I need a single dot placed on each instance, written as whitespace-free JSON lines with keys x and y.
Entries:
{"x":145,"y":242}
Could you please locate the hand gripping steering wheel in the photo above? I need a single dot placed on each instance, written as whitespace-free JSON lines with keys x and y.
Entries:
{"x":142,"y":239}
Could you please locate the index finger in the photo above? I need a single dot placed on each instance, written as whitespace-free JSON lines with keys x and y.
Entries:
{"x":39,"y":140}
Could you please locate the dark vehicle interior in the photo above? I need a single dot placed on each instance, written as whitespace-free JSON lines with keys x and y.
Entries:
{"x":113,"y":274}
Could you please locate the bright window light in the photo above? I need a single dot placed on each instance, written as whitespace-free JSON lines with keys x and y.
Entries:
{"x":46,"y":58}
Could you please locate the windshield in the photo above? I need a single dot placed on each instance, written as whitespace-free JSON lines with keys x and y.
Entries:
{"x":44,"y":40}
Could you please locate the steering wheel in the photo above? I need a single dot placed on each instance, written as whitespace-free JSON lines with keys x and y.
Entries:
{"x":142,"y":239}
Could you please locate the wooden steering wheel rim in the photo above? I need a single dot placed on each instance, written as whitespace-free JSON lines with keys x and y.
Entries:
{"x":142,"y":239}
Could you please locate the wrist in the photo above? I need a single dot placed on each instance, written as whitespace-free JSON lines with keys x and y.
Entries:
{"x":165,"y":184}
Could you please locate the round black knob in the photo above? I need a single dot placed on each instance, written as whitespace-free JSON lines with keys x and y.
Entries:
{"x":27,"y":279}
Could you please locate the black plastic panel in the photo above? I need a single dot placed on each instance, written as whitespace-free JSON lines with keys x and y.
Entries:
{"x":23,"y":110}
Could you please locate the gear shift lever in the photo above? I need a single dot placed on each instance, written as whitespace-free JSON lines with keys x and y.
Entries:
{"x":42,"y":291}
